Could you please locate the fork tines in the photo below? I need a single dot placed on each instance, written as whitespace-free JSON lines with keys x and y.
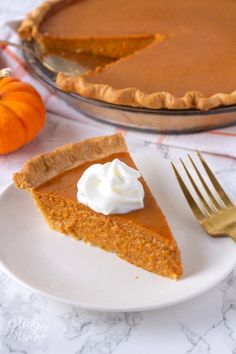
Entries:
{"x":215,"y":205}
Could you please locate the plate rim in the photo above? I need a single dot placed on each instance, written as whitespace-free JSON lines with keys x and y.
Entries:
{"x":83,"y":306}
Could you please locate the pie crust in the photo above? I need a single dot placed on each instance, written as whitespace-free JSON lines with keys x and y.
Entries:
{"x":136,"y":98}
{"x":42,"y":168}
{"x":29,"y":27}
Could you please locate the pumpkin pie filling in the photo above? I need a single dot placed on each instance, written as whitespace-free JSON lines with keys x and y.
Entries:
{"x":141,"y":237}
{"x":173,"y":54}
{"x":65,"y":186}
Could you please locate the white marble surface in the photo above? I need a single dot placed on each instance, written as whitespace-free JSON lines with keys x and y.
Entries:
{"x":32,"y":324}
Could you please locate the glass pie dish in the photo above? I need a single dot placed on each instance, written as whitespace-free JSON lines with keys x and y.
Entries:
{"x":163,"y":121}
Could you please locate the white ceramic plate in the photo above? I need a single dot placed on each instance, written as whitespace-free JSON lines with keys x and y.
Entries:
{"x":68,"y":270}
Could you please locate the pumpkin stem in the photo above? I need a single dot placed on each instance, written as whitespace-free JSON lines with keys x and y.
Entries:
{"x":5,"y":72}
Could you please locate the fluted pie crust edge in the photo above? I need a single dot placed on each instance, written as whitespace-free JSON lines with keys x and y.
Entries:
{"x":136,"y":98}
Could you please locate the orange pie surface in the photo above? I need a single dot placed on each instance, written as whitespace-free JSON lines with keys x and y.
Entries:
{"x":174,"y":54}
{"x":141,"y":237}
{"x":65,"y":186}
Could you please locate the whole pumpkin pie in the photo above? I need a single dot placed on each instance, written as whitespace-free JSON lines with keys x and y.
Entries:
{"x":141,"y":237}
{"x":170,"y":54}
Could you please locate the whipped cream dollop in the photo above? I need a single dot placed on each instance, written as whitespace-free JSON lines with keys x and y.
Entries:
{"x":111,"y":188}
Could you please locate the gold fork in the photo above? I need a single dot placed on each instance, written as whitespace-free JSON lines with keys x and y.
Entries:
{"x":218,"y":218}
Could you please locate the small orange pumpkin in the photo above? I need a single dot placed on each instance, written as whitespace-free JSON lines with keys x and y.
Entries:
{"x":22,"y":114}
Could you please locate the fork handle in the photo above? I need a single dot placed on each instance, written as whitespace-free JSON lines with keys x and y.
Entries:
{"x":232,"y":234}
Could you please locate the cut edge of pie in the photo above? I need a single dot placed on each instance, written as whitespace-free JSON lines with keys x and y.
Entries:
{"x":116,"y":47}
{"x":125,"y":234}
{"x":108,"y":46}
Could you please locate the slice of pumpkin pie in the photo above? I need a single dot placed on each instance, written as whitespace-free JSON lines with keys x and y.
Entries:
{"x":93,"y":191}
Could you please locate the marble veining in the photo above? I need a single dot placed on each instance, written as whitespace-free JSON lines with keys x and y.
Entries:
{"x":202,"y":341}
{"x":99,"y":332}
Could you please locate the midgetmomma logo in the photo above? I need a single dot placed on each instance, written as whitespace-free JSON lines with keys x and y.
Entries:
{"x":24,"y":330}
